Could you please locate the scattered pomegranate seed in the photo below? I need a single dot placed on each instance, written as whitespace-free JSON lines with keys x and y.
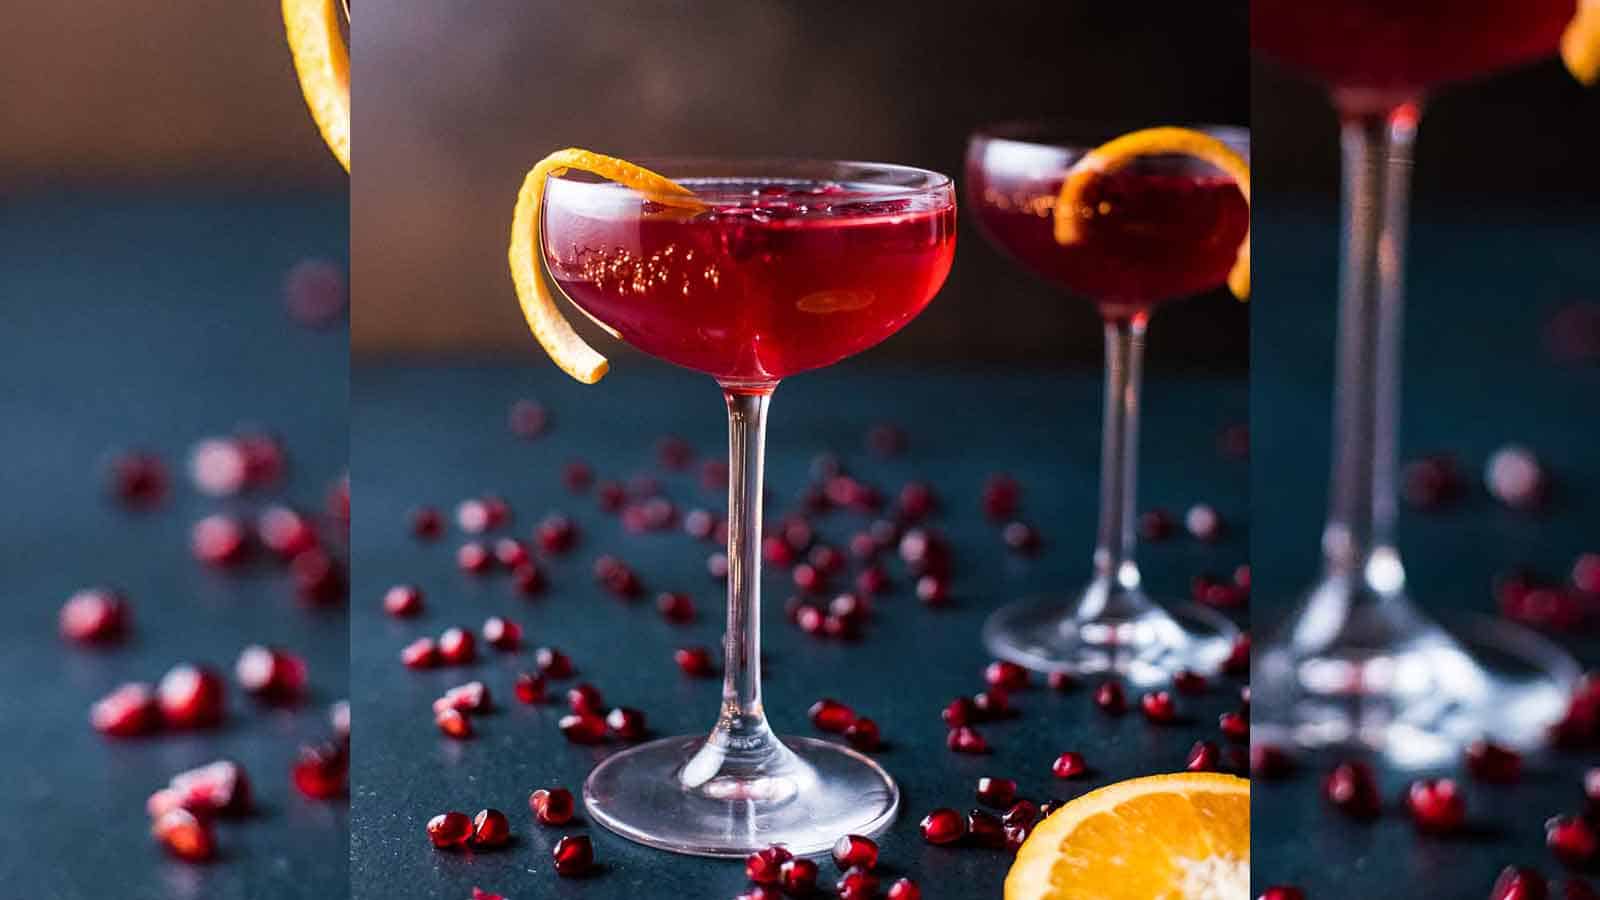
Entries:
{"x":1023,"y":812}
{"x":1586,"y":573}
{"x":1203,"y":757}
{"x":840,"y":627}
{"x":1214,"y":592}
{"x":315,"y":294}
{"x":966,"y":739}
{"x":479,"y":893}
{"x":714,"y":475}
{"x":826,"y":560}
{"x":626,"y":723}
{"x":94,"y":615}
{"x":471,"y":697}
{"x":583,"y":728}
{"x":932,"y":590}
{"x":451,"y":829}
{"x":760,"y":892}
{"x":422,"y":653}
{"x":527,"y":419}
{"x":473,"y":558}
{"x":917,"y":501}
{"x":1433,"y":482}
{"x":1490,"y":762}
{"x":473,"y":516}
{"x":856,"y":884}
{"x":717,"y":565}
{"x":985,"y":829}
{"x":1021,"y":537}
{"x":1352,"y":789}
{"x":529,"y":687}
{"x":830,"y":715}
{"x":700,"y":524}
{"x":577,"y":476}
{"x":426,"y":523}
{"x":1282,"y":892}
{"x":904,"y":889}
{"x":1069,"y":765}
{"x":190,"y":696}
{"x":1187,"y":682}
{"x":217,"y":467}
{"x":453,"y":723}
{"x":992,"y":704}
{"x":1203,"y":522}
{"x":996,"y":792}
{"x":776,"y":551}
{"x":1110,"y":698}
{"x":766,"y":866}
{"x":220,"y":788}
{"x":457,"y":647}
{"x":675,"y":607}
{"x":270,"y":674}
{"x":184,"y":835}
{"x":924,"y":552}
{"x":285,"y":532}
{"x":321,"y":771}
{"x":1235,"y":727}
{"x":1001,"y":497}
{"x":873,"y":580}
{"x":798,"y":876}
{"x":528,"y":579}
{"x":502,"y":634}
{"x":1573,"y":839}
{"x":219,"y":540}
{"x":1238,"y":661}
{"x":1436,"y":805}
{"x":863,"y":734}
{"x":585,"y":698}
{"x":137,"y":480}
{"x":1156,"y":525}
{"x":317,"y":577}
{"x":510,"y":552}
{"x":552,"y":663}
{"x":1158,"y":707}
{"x":490,"y":828}
{"x":556,"y":534}
{"x":339,"y":718}
{"x":1516,"y":478}
{"x":1517,"y":883}
{"x":617,"y":577}
{"x":1008,"y":675}
{"x":808,"y":579}
{"x":855,"y":851}
{"x":552,"y":806}
{"x":1061,"y":681}
{"x":943,"y":826}
{"x":693,"y":661}
{"x":573,"y":855}
{"x":403,"y":601}
{"x":1015,"y":836}
{"x":1270,"y":762}
{"x":959,"y":711}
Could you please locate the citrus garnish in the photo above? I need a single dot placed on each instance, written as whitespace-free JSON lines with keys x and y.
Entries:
{"x":1580,"y":43}
{"x":1071,"y":212}
{"x":1165,"y":837}
{"x":571,"y":352}
{"x":322,"y":61}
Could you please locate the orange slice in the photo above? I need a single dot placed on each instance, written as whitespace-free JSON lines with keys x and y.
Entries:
{"x":571,"y":352}
{"x":1165,"y":837}
{"x":1070,"y":212}
{"x":1580,"y":43}
{"x":322,"y":61}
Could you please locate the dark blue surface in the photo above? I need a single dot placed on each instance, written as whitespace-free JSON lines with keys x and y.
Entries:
{"x":153,"y":321}
{"x":436,"y":434}
{"x":1482,"y":283}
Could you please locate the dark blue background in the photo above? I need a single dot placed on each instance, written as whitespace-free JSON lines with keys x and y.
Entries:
{"x":154,"y":320}
{"x":435,"y":433}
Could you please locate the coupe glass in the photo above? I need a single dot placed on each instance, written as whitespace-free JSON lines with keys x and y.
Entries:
{"x":1166,"y":227}
{"x":792,"y":265}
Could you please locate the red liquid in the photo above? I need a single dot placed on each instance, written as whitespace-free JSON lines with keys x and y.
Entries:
{"x":796,"y":276}
{"x":1159,"y":237}
{"x":1374,"y":52}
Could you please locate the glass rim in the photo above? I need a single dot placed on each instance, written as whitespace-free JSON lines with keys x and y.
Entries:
{"x":898,"y":182}
{"x":1081,"y":135}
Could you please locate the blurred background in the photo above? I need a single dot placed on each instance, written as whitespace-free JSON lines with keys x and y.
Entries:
{"x":458,"y":100}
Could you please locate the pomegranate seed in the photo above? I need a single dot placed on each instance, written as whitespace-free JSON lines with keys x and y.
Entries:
{"x":94,"y":615}
{"x":1586,"y":573}
{"x":217,"y":467}
{"x":473,"y":516}
{"x":1573,"y":839}
{"x":966,"y":739}
{"x":1203,"y":522}
{"x":626,"y":723}
{"x":1436,"y":805}
{"x":617,"y":577}
{"x":992,"y":704}
{"x":856,"y":884}
{"x":510,"y":552}
{"x":766,"y":866}
{"x":1062,"y":681}
{"x":1282,"y":892}
{"x":808,"y":579}
{"x":219,"y":540}
{"x":1110,"y":698}
{"x":270,"y":674}
{"x":985,"y":829}
{"x":958,"y":712}
{"x":314,"y":293}
{"x":810,"y":619}
{"x":502,"y":634}
{"x":220,"y":788}
{"x":552,"y":806}
{"x":693,"y":661}
{"x":760,"y":892}
{"x":583,"y":728}
{"x":1016,"y":836}
{"x":1001,"y":496}
{"x":527,"y":419}
{"x":184,"y":835}
{"x":556,"y":534}
{"x":849,"y":607}
{"x":1238,"y":661}
{"x":855,"y":851}
{"x":675,"y":607}
{"x":479,"y":893}
{"x":700,"y":524}
{"x":453,"y":723}
{"x":776,"y":551}
{"x":1069,"y":765}
{"x":924,"y":552}
{"x":863,"y":734}
{"x":1591,"y":786}
{"x":798,"y":876}
{"x":573,"y":855}
{"x":457,"y":646}
{"x":1352,"y":790}
{"x":264,"y":457}
{"x":714,"y":475}
{"x":552,"y":663}
{"x":1212,"y":591}
{"x":1203,"y":757}
{"x":826,"y":560}
{"x":473,"y":558}
{"x":873,"y":581}
{"x":339,"y":718}
{"x":1021,"y":538}
{"x":611,"y":496}
{"x":1269,"y":761}
{"x":190,"y":696}
{"x":835,"y":627}
{"x":996,"y":792}
{"x":529,"y":687}
{"x":1515,"y":477}
{"x":917,"y":501}
{"x":1490,"y":762}
{"x":577,"y":476}
{"x":451,"y":829}
{"x":1235,"y":727}
{"x":1433,"y":482}
{"x":321,"y":771}
{"x":403,"y":601}
{"x":1023,"y":812}
{"x":1008,"y":675}
{"x":285,"y":532}
{"x":421,"y":653}
{"x":137,"y":480}
{"x":528,"y":579}
{"x":426,"y":523}
{"x":1516,"y":883}
{"x":1158,"y":707}
{"x":317,"y":578}
{"x":932,"y":591}
{"x":717,"y":565}
{"x":1156,"y":525}
{"x":469,"y":698}
{"x":904,"y":889}
{"x":585,"y":698}
{"x":943,"y":826}
{"x":490,"y":828}
{"x":830,"y":715}
{"x":1188,"y":682}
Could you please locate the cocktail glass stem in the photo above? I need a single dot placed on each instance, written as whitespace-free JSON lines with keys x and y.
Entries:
{"x":1115,"y":593}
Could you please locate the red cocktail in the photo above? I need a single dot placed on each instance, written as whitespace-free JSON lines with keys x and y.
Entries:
{"x":1159,"y":228}
{"x":775,"y":277}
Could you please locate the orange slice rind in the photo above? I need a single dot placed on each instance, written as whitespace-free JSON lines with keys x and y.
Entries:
{"x":1580,"y":43}
{"x":322,"y":61}
{"x":549,"y":326}
{"x":1070,"y":212}
{"x":1174,"y":837}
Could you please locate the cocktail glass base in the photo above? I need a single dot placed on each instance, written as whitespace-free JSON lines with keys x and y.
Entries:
{"x":1146,"y":649}
{"x":1417,"y":702}
{"x":674,"y":794}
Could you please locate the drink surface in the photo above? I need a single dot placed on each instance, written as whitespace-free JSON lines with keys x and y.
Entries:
{"x":1395,"y":50}
{"x":775,"y":277}
{"x":1156,"y":236}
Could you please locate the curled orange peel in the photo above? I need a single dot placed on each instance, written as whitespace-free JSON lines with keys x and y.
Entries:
{"x":1070,"y":211}
{"x":570,"y":351}
{"x":1580,"y":43}
{"x":322,"y":61}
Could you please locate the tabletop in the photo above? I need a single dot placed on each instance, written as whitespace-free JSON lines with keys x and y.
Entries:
{"x":1478,"y":375}
{"x":153,"y":320}
{"x":435,"y":433}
